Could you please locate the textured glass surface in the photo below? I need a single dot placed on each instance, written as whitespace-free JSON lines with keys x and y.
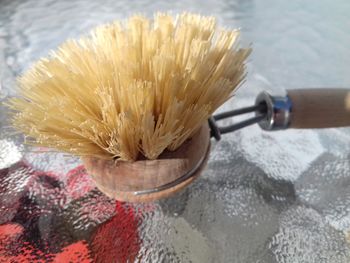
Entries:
{"x":264,"y":196}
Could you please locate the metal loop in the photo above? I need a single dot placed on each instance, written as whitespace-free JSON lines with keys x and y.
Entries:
{"x":214,"y":129}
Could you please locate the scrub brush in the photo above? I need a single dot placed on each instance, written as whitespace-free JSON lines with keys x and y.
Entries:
{"x":133,"y":99}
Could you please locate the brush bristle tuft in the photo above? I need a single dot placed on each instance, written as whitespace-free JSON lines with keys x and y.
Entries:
{"x":139,"y":87}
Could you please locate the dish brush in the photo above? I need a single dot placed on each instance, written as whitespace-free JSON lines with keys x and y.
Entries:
{"x":133,"y":99}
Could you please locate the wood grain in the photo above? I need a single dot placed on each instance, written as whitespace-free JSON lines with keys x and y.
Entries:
{"x":320,"y":108}
{"x":120,"y":179}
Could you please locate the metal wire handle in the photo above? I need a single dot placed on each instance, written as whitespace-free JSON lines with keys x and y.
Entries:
{"x":271,"y":113}
{"x":216,"y":131}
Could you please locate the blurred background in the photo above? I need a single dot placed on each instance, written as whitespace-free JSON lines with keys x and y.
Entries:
{"x":264,"y":197}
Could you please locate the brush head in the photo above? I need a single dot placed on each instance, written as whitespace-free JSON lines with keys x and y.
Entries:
{"x":130,"y":93}
{"x":130,"y":89}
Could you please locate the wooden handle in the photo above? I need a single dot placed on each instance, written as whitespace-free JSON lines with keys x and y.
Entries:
{"x":320,"y":108}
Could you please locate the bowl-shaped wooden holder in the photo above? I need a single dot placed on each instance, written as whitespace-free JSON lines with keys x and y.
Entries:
{"x":125,"y":181}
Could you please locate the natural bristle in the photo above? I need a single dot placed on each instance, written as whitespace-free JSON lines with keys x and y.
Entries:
{"x":139,"y":87}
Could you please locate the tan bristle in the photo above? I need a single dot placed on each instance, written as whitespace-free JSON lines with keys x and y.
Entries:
{"x":140,"y":87}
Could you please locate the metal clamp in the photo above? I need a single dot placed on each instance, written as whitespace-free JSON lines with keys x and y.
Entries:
{"x":271,"y":113}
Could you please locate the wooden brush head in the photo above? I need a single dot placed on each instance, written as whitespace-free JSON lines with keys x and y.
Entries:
{"x":139,"y":87}
{"x":120,"y":179}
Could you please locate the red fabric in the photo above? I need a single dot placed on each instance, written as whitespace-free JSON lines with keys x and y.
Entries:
{"x":14,"y":249}
{"x":77,"y":252}
{"x":10,"y":235}
{"x":118,"y":238}
{"x":78,"y":183}
{"x":10,"y":231}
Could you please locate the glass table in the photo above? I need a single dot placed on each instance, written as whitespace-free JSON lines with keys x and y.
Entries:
{"x":264,"y":196}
